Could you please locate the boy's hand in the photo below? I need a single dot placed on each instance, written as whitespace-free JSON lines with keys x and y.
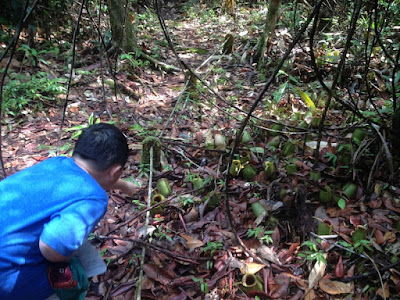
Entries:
{"x":126,"y":187}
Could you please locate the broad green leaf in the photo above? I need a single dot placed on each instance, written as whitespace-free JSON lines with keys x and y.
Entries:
{"x":341,"y":203}
{"x":304,"y":96}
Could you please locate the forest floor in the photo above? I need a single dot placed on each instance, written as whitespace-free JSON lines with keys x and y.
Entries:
{"x":191,"y":250}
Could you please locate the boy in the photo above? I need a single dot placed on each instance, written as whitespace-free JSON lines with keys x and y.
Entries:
{"x":48,"y":210}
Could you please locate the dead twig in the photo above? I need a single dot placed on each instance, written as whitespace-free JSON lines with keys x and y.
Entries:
{"x":146,"y":224}
{"x":389,"y":157}
{"x":369,"y":274}
{"x":174,"y":109}
{"x":379,"y":274}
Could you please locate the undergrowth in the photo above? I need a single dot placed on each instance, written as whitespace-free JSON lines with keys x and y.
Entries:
{"x":30,"y":91}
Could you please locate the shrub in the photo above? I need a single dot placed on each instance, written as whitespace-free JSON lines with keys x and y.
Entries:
{"x":22,"y":91}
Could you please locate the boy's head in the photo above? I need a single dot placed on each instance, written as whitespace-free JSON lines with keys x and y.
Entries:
{"x":102,"y":145}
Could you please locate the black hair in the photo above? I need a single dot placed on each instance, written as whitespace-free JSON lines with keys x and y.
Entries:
{"x":103,"y":145}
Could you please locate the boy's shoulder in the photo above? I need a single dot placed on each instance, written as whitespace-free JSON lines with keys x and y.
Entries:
{"x":52,"y":166}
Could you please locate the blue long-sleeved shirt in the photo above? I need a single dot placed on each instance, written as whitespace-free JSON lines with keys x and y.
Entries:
{"x":55,"y":201}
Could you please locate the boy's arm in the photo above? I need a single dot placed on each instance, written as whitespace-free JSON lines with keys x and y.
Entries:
{"x":126,"y":187}
{"x":50,"y":254}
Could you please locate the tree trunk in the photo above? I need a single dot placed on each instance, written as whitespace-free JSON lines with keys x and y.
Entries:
{"x":269,"y":29}
{"x":121,"y":26}
{"x":123,"y":37}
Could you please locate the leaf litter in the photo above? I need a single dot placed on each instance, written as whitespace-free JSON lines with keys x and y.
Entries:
{"x":191,"y":251}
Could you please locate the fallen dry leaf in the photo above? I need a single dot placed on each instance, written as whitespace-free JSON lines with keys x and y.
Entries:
{"x":335,"y":287}
{"x":390,"y":237}
{"x":388,"y":203}
{"x":268,"y":254}
{"x":156,"y":274}
{"x":339,"y":271}
{"x":379,"y":238}
{"x":316,"y":273}
{"x":192,"y":243}
{"x":383,"y":292}
{"x":310,"y":294}
{"x":396,"y":282}
{"x":251,"y":268}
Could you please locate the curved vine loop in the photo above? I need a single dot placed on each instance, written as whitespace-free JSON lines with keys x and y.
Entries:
{"x":65,"y":104}
{"x":253,"y":107}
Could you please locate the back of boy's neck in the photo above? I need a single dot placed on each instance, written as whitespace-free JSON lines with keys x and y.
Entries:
{"x":83,"y":165}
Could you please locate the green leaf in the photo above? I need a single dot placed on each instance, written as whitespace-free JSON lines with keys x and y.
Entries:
{"x":125,"y":56}
{"x":281,"y":72}
{"x":76,"y":128}
{"x":258,"y":150}
{"x":278,"y":94}
{"x":293,"y":79}
{"x":136,"y":127}
{"x":341,"y":203}
{"x":91,"y":118}
{"x":304,"y":96}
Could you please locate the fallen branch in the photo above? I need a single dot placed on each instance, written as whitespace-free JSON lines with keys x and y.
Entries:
{"x":165,"y":67}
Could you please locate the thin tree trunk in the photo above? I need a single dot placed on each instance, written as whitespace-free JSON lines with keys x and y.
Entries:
{"x":121,"y":26}
{"x":269,"y":29}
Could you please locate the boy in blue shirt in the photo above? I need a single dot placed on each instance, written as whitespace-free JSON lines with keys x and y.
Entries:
{"x":48,"y":210}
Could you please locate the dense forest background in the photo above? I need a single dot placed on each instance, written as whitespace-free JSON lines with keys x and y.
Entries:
{"x":274,"y":128}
